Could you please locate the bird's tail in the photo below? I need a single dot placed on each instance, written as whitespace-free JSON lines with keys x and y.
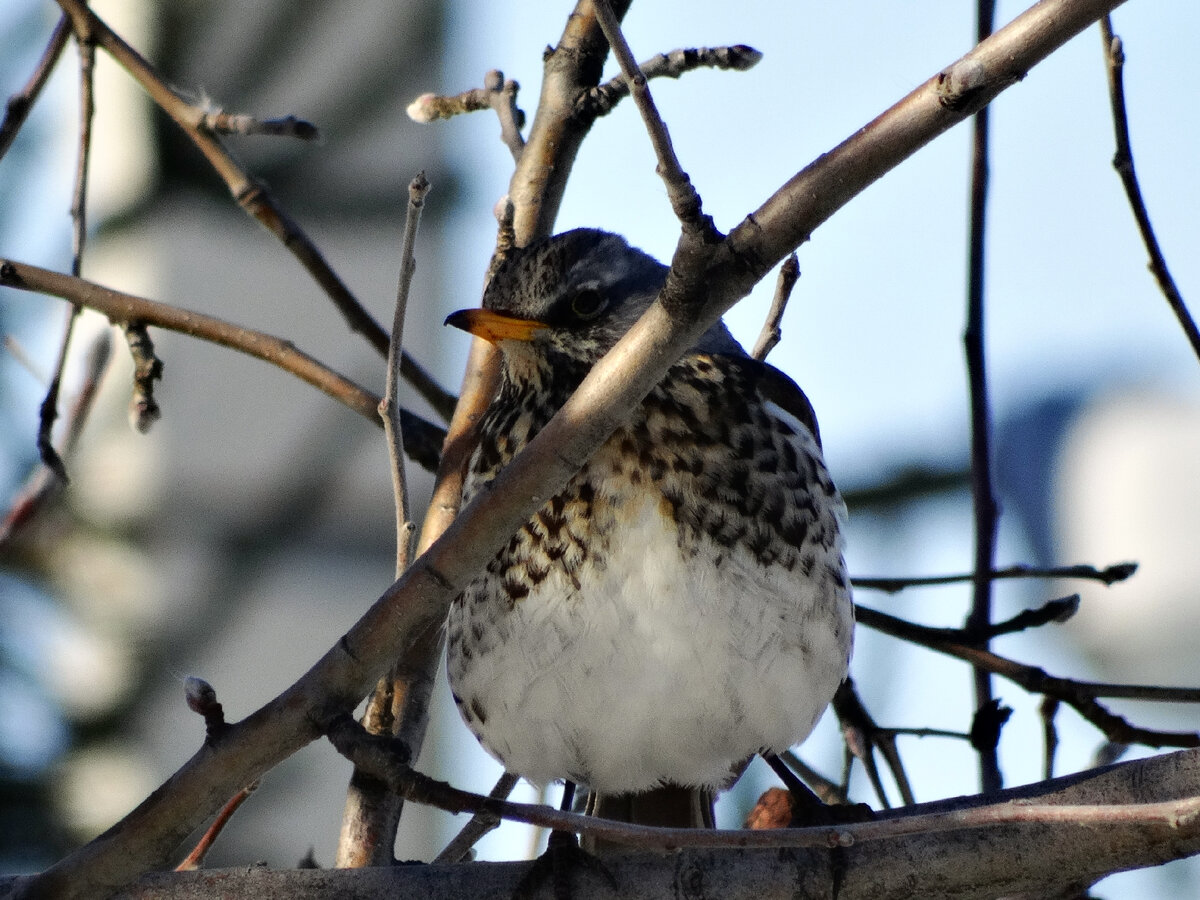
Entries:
{"x":669,"y":806}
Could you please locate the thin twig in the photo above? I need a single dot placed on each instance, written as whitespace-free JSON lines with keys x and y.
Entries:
{"x":48,"y":411}
{"x":789,"y":274}
{"x":389,"y":408}
{"x":422,"y":439}
{"x":252,"y":196}
{"x":827,"y":790}
{"x":372,"y":811}
{"x":42,"y":484}
{"x":16,"y":111}
{"x":986,"y":511}
{"x":195,"y":859}
{"x":497,"y":94}
{"x":87,"y":109}
{"x":221,"y":122}
{"x":1109,"y":576}
{"x":1081,"y":695}
{"x":1114,"y":54}
{"x":925,"y":732}
{"x":862,"y":733}
{"x":1048,"y":709}
{"x":481,"y":823}
{"x":1058,"y":610}
{"x":601,"y":100}
{"x":685,"y":201}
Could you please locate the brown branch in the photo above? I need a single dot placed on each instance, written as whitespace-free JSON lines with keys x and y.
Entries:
{"x":389,"y":408}
{"x":87,"y":109}
{"x":570,"y":69}
{"x":42,"y":484}
{"x":789,"y":274}
{"x":48,"y":411}
{"x":16,"y":110}
{"x":1058,"y":610}
{"x":147,"y":368}
{"x":406,"y":610}
{"x":252,"y":196}
{"x":1080,"y":695}
{"x":195,"y":859}
{"x":372,"y":813}
{"x":926,"y":732}
{"x":221,"y":122}
{"x":481,"y":823}
{"x":1114,"y":54}
{"x":376,"y":755}
{"x":422,"y":439}
{"x":602,"y":99}
{"x":1109,"y":576}
{"x":1126,"y":823}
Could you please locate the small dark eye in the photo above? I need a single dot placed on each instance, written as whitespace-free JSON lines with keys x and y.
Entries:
{"x":588,"y":303}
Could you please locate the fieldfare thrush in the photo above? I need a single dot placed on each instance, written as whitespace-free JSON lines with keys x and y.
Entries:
{"x":682,"y":603}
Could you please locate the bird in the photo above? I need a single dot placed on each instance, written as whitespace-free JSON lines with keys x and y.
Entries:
{"x":683,"y":602}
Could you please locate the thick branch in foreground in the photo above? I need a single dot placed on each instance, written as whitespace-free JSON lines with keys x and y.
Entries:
{"x":1142,"y":813}
{"x":149,"y":835}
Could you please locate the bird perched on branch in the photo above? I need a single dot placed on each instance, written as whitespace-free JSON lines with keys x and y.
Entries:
{"x":682,"y":603}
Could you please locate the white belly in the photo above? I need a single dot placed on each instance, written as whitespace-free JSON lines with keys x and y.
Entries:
{"x":655,"y":668}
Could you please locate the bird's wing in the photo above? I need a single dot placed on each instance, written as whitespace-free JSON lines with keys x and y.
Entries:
{"x":778,"y":388}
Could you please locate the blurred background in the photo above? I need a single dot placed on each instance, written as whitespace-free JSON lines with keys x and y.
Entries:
{"x":253,"y":525}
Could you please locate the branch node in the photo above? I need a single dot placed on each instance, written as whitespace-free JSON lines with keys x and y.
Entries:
{"x":144,"y":410}
{"x":202,"y":699}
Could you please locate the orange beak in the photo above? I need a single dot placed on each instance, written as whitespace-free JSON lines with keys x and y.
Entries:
{"x":493,"y":326}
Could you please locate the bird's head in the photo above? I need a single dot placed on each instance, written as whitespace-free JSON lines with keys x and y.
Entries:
{"x":573,"y":295}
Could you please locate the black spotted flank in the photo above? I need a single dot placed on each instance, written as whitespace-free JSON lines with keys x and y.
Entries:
{"x":516,"y":588}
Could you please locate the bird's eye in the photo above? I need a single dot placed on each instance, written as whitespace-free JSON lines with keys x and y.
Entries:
{"x":588,"y":303}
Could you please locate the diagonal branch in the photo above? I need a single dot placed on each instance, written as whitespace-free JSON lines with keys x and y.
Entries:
{"x":769,"y":336}
{"x":1114,"y":54}
{"x":422,"y":439}
{"x":16,"y":111}
{"x":252,"y":196}
{"x":683,"y":196}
